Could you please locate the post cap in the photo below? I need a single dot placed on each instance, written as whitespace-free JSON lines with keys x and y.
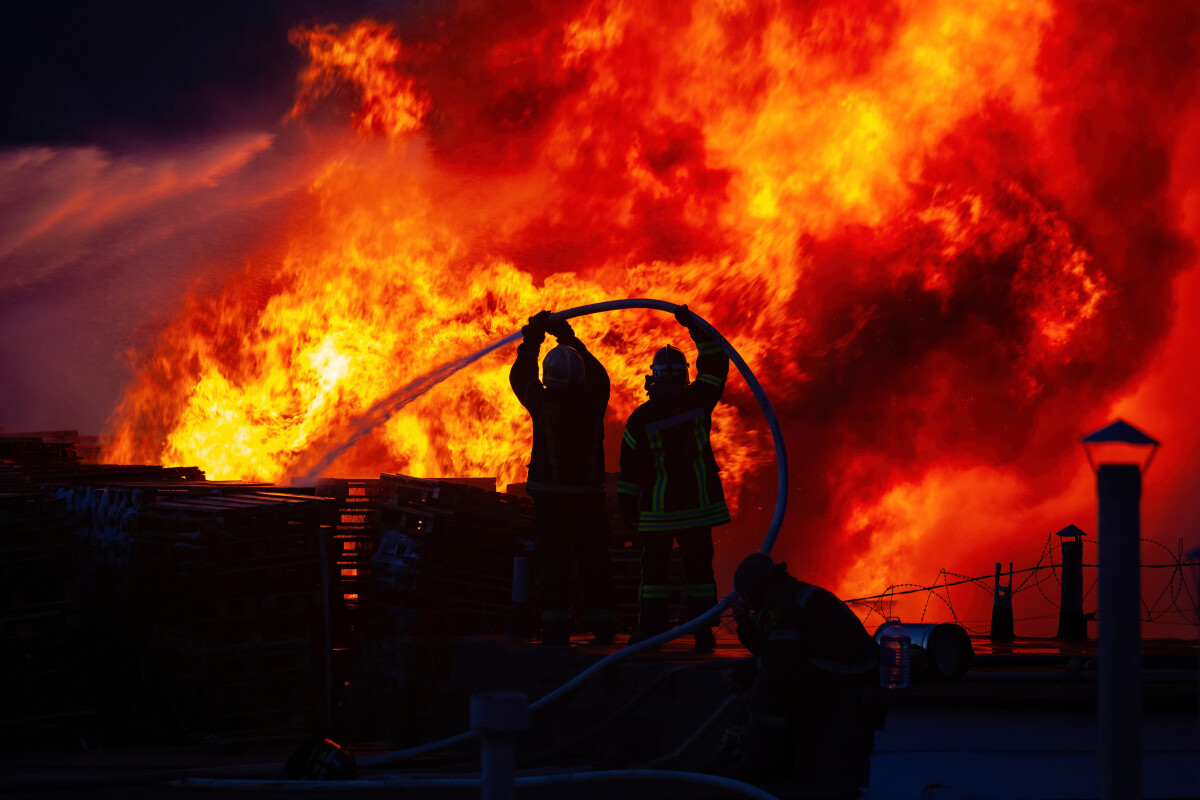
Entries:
{"x":499,"y":711}
{"x":1120,"y":443}
{"x":1071,"y":530}
{"x":1119,"y":432}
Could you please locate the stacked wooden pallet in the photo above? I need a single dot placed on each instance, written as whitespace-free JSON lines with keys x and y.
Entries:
{"x":445,"y":561}
{"x":352,"y":543}
{"x":41,"y":637}
{"x":234,"y":612}
{"x":204,"y":604}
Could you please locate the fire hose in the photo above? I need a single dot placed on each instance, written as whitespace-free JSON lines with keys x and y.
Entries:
{"x":385,"y":408}
{"x":654,"y":642}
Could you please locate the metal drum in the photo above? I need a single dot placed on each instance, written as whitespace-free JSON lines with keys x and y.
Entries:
{"x":939,"y":651}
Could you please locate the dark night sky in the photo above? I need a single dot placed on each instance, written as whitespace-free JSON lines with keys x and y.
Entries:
{"x":113,"y":116}
{"x":115,"y":74}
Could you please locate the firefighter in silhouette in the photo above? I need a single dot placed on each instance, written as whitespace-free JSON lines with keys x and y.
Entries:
{"x":806,"y":644}
{"x":670,"y":485}
{"x":566,"y":475}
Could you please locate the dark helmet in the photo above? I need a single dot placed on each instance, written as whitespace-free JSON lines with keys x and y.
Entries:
{"x":669,"y":362}
{"x":668,"y":373}
{"x":752,"y":577}
{"x":562,"y":368}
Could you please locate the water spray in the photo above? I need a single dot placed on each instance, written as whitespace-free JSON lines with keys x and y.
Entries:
{"x":384,"y":409}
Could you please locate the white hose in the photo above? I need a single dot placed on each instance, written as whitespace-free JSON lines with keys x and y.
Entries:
{"x":382,"y":410}
{"x":525,"y":782}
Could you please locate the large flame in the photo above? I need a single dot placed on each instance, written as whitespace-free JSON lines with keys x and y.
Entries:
{"x":896,"y":213}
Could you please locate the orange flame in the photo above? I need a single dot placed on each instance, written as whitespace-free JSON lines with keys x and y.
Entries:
{"x":826,"y":185}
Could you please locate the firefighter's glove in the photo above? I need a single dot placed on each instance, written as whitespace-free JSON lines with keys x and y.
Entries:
{"x":683,"y":315}
{"x":535,"y":330}
{"x":560,"y":328}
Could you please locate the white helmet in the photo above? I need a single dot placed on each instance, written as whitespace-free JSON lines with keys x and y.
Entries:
{"x":562,"y":368}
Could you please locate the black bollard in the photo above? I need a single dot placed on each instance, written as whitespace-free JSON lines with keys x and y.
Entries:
{"x":1071,"y":622}
{"x":1002,"y":611}
{"x":1119,"y":637}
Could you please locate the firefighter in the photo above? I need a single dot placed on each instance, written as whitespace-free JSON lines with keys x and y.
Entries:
{"x":566,"y":475}
{"x":807,"y":643}
{"x":670,"y":486}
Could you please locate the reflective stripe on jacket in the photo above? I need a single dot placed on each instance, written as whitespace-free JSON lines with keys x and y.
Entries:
{"x":667,"y":461}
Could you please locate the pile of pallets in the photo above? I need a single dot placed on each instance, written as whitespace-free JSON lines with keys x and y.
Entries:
{"x":435,"y":554}
{"x":353,"y":541}
{"x":41,"y":641}
{"x":204,"y":606}
{"x":417,"y":562}
{"x":445,"y":562}
{"x":233,"y":589}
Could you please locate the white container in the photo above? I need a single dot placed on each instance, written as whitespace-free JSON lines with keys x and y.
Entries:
{"x":894,"y":665}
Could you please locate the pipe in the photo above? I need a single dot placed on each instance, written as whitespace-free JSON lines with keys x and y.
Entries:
{"x":526,"y":782}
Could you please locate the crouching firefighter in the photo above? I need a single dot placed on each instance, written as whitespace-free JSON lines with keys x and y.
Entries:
{"x":566,"y":475}
{"x":670,"y":486}
{"x":807,"y":643}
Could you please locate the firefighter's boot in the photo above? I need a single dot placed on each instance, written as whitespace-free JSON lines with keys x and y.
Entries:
{"x":652,"y":616}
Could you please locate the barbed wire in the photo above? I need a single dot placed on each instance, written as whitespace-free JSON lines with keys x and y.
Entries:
{"x":1176,"y":596}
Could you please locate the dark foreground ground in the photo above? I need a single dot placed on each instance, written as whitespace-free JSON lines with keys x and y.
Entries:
{"x":1019,"y":724}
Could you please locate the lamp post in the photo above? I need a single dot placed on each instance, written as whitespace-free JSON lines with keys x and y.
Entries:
{"x":1119,"y":454}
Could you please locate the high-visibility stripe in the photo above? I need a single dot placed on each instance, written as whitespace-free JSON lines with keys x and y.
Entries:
{"x":704,"y":348}
{"x":628,"y":439}
{"x":712,"y":380}
{"x":701,"y":590}
{"x":665,"y":516}
{"x":652,"y":591}
{"x":628,"y":487}
{"x":716,"y":518}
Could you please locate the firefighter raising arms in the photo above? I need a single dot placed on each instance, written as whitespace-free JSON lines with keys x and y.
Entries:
{"x":566,"y":475}
{"x":670,"y":486}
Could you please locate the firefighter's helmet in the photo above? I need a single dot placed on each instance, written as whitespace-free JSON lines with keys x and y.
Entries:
{"x":669,"y":362}
{"x":562,"y":368}
{"x":752,"y":577}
